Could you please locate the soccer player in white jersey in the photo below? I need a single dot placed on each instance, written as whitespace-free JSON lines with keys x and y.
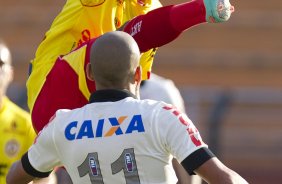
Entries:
{"x":117,"y":138}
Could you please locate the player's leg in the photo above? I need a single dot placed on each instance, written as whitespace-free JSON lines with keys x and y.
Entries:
{"x":163,"y":25}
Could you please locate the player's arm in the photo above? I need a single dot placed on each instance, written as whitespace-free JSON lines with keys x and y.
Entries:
{"x":193,"y":154}
{"x":23,"y":172}
{"x":39,"y":161}
{"x":214,"y":171}
{"x":17,"y":174}
{"x":203,"y":163}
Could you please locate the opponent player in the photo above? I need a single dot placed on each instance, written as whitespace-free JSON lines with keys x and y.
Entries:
{"x":16,"y":130}
{"x":78,"y":22}
{"x":117,"y":137}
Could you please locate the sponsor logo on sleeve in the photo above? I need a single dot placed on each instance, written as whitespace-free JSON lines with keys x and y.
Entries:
{"x":191,"y":129}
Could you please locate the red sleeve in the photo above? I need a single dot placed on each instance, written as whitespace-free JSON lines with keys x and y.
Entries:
{"x":163,"y":25}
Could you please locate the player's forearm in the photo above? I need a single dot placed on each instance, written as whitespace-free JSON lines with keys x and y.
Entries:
{"x":17,"y":175}
{"x":215,"y":172}
{"x":233,"y":177}
{"x":226,"y":177}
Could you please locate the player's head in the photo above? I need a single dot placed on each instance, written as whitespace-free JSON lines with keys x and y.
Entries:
{"x":6,"y":71}
{"x":114,"y":62}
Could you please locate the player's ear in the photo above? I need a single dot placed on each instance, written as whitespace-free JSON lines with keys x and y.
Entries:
{"x":89,"y":73}
{"x":138,"y":74}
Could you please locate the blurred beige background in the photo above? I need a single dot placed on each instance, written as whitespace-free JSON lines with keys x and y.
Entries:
{"x":230,"y":76}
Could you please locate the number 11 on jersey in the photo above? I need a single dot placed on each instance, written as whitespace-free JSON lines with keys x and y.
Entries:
{"x":125,"y":162}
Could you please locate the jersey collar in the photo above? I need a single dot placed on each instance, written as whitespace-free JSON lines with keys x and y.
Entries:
{"x":110,"y":95}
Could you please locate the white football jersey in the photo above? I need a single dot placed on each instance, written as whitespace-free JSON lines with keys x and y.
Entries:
{"x":121,"y":141}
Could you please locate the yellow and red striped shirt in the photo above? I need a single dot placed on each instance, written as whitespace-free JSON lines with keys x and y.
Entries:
{"x":78,"y":22}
